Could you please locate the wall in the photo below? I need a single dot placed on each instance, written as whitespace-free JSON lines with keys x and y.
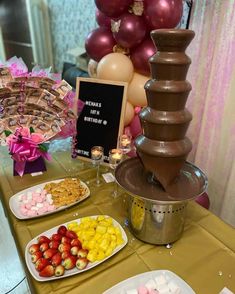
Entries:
{"x":71,"y":21}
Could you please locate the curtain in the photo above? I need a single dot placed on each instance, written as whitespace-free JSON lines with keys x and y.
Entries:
{"x":212,"y":100}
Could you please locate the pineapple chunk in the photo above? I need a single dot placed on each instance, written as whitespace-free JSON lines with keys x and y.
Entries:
{"x":101,"y":229}
{"x":100,"y":218}
{"x":100,"y":255}
{"x":108,"y":251}
{"x":111,"y":230}
{"x":92,"y":255}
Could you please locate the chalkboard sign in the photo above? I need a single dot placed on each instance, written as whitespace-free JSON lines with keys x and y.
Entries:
{"x":101,"y":120}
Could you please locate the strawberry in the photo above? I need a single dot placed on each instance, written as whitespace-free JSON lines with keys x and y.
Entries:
{"x":59,"y":270}
{"x":48,"y":271}
{"x":36,"y":256}
{"x":76,"y":242}
{"x":64,"y":247}
{"x":43,"y":239}
{"x":56,"y":259}
{"x":33,"y":248}
{"x":69,"y":262}
{"x":41,"y":263}
{"x":62,"y":230}
{"x":44,"y":246}
{"x":49,"y":253}
{"x":56,"y":237}
{"x":74,"y":250}
{"x":54,"y":244}
{"x":65,"y":254}
{"x":82,"y":253}
{"x":71,"y":234}
{"x":65,"y":240}
{"x":81,"y":263}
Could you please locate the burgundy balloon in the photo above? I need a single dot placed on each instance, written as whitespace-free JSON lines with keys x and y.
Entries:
{"x":161,"y":14}
{"x":102,"y":19}
{"x":113,"y":8}
{"x":99,"y":43}
{"x":203,"y":200}
{"x":131,"y":32}
{"x":141,"y":54}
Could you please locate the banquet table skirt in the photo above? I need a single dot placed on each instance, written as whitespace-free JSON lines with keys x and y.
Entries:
{"x":204,"y":256}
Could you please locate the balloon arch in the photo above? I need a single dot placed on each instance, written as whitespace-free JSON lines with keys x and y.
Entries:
{"x":120,"y":47}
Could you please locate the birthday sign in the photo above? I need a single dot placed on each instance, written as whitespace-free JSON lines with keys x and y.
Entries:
{"x":101,"y":120}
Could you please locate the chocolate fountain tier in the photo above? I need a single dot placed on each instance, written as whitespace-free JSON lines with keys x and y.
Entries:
{"x":164,"y":125}
{"x":175,"y":94}
{"x":132,"y":177}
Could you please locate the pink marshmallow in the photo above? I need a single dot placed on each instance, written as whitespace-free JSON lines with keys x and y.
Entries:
{"x":28,"y":206}
{"x":24,"y":197}
{"x":24,"y":211}
{"x":39,"y":199}
{"x":45,"y":209}
{"x":51,"y":207}
{"x":43,"y":197}
{"x":32,"y":202}
{"x":40,"y":211}
{"x":44,"y":192}
{"x":142,"y":290}
{"x":22,"y":206}
{"x":45,"y":204}
{"x":31,"y":213}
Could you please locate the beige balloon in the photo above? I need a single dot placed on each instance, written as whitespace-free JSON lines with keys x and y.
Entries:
{"x":129,"y":113}
{"x":92,"y":68}
{"x":135,"y":92}
{"x":116,"y":67}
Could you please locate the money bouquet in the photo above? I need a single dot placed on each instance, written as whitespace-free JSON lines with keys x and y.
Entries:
{"x":35,"y":107}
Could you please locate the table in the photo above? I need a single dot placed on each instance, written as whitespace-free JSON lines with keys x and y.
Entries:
{"x":204,"y":257}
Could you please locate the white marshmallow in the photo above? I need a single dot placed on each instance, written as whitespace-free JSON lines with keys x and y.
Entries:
{"x":48,"y":197}
{"x":174,"y":288}
{"x":132,"y":291}
{"x":151,"y":285}
{"x":163,"y":289}
{"x":160,"y":280}
{"x":38,"y":190}
{"x":25,"y":201}
{"x":34,"y":208}
{"x":29,"y":195}
{"x":20,"y":197}
{"x":39,"y":205}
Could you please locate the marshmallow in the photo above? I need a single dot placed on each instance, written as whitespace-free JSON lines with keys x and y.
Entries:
{"x":51,"y":207}
{"x":25,"y":201}
{"x":151,"y":285}
{"x":142,"y":290}
{"x":31,"y":213}
{"x":160,"y":280}
{"x":20,"y":197}
{"x":28,"y":206}
{"x":29,"y":194}
{"x":35,"y":208}
{"x":39,"y":205}
{"x":38,"y":190}
{"x":163,"y":289}
{"x":174,"y":288}
{"x":132,"y":291}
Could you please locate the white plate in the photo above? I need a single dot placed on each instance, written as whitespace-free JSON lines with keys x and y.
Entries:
{"x":14,"y":202}
{"x":142,"y":279}
{"x":73,"y":271}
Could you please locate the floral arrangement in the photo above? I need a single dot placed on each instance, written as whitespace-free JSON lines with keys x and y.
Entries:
{"x":26,"y":146}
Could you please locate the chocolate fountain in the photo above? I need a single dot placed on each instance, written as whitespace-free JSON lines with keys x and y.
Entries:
{"x":160,"y":181}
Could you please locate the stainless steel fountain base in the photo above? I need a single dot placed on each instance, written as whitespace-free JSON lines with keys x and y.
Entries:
{"x":155,"y":216}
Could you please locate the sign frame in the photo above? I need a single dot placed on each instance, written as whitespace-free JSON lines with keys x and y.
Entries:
{"x":93,"y":82}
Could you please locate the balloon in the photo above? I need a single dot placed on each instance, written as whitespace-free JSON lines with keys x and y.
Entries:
{"x":113,"y":7}
{"x":99,"y":43}
{"x":135,"y":126}
{"x":129,"y":30}
{"x":129,"y":113}
{"x":203,"y":200}
{"x":135,"y":92}
{"x":102,"y":19}
{"x":141,"y":54}
{"x":92,"y":68}
{"x":163,"y":13}
{"x":116,"y":67}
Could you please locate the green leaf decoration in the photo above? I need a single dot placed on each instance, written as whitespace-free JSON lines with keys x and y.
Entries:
{"x":31,"y":129}
{"x":43,"y":147}
{"x":7,"y":133}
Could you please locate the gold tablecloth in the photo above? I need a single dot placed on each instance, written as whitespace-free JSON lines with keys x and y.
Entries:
{"x":204,"y":257}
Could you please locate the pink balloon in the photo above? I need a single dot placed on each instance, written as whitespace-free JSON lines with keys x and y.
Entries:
{"x":102,"y":19}
{"x":203,"y":200}
{"x":131,"y":31}
{"x":113,"y":7}
{"x":161,"y":14}
{"x":140,"y":56}
{"x":99,"y":43}
{"x":135,"y":126}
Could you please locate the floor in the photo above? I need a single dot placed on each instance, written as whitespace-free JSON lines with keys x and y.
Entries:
{"x":11,"y":271}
